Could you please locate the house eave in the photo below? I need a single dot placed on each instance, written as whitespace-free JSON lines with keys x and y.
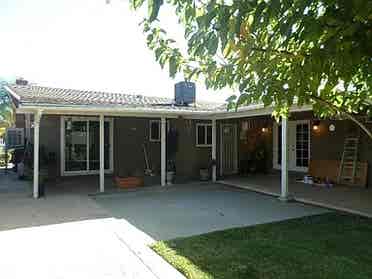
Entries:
{"x":109,"y":111}
{"x":254,"y":110}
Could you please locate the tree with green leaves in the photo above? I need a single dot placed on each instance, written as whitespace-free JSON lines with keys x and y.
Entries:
{"x":7,"y":114}
{"x":275,"y":52}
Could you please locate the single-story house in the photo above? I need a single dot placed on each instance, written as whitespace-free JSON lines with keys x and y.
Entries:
{"x":102,"y":133}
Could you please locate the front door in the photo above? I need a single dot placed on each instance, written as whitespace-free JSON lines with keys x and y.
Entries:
{"x":80,"y":145}
{"x":229,"y":149}
{"x":298,"y":145}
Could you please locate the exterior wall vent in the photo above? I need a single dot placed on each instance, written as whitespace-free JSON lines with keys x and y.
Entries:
{"x":184,"y":93}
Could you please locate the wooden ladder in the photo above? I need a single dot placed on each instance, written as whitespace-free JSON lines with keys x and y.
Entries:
{"x":349,"y":161}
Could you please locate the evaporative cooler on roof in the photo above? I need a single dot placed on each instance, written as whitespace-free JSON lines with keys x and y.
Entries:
{"x":184,"y":93}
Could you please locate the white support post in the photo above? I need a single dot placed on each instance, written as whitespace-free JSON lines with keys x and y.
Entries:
{"x":37,"y":118}
{"x":284,"y":196}
{"x":163,"y":151}
{"x":101,"y":153}
{"x":214,"y":150}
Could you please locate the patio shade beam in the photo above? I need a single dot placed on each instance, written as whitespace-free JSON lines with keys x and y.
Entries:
{"x":214,"y":150}
{"x":284,"y":163}
{"x":37,"y":118}
{"x":101,"y":153}
{"x":163,"y":150}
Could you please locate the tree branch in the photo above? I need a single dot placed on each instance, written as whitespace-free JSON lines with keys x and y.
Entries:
{"x":277,"y":51}
{"x":345,"y":113}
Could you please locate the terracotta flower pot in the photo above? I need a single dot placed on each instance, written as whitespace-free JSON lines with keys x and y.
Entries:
{"x":129,"y":182}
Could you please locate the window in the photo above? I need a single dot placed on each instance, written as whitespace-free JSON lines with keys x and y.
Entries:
{"x":279,"y":145}
{"x":80,"y":145}
{"x":155,"y":130}
{"x":203,"y":134}
{"x":14,"y":138}
{"x":302,"y":145}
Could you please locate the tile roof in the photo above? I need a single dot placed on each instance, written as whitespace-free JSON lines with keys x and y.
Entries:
{"x":40,"y":95}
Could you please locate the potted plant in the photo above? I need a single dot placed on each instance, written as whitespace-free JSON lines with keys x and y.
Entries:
{"x":171,"y":171}
{"x":205,"y":172}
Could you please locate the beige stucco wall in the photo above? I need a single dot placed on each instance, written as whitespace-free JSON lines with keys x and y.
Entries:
{"x":20,"y":121}
{"x":190,"y":158}
{"x":131,"y":133}
{"x":129,"y":136}
{"x":328,"y":145}
{"x":49,"y":136}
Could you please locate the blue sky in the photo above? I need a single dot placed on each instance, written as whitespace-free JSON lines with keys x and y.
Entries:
{"x":85,"y":44}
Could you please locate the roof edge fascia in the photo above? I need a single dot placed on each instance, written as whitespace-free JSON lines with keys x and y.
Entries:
{"x":255,"y":110}
{"x":114,"y":111}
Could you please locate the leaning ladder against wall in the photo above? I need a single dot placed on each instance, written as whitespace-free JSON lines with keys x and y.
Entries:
{"x":349,"y":160}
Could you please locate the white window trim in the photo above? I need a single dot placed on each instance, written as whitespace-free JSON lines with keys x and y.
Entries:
{"x":16,"y":131}
{"x":205,"y":125}
{"x":151,"y":139}
{"x":291,"y":125}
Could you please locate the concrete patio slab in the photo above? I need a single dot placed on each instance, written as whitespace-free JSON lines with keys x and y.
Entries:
{"x":185,"y":210}
{"x":71,"y":236}
{"x":351,"y":199}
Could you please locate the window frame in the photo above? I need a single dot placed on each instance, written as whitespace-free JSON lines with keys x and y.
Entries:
{"x":151,"y":139}
{"x":205,"y":127}
{"x":19,"y":132}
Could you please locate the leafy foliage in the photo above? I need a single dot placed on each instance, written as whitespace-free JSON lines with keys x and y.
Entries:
{"x":278,"y":52}
{"x":7,"y":114}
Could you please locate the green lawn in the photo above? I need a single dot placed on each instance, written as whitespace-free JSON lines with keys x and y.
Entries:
{"x":324,"y":246}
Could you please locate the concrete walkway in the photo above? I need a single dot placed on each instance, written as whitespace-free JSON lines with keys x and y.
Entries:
{"x":70,"y":236}
{"x":84,"y":249}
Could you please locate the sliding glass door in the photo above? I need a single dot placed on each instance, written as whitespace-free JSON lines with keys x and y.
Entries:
{"x":76,"y":145}
{"x":80,"y":152}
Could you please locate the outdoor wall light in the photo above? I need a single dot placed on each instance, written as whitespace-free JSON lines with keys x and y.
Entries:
{"x":316,"y":124}
{"x":264,"y":129}
{"x":332,"y":128}
{"x":69,"y":124}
